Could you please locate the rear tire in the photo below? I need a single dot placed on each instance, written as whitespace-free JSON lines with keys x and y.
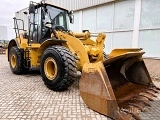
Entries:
{"x":58,"y":68}
{"x":16,"y":61}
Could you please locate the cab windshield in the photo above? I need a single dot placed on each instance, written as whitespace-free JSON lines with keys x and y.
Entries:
{"x":55,"y":16}
{"x":46,"y":14}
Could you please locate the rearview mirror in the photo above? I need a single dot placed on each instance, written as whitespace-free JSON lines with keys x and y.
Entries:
{"x":71,"y":17}
{"x":31,"y":8}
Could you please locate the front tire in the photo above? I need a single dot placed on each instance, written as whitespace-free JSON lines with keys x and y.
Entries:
{"x":16,"y":61}
{"x":58,"y":68}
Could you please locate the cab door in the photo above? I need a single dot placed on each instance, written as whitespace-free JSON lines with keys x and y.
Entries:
{"x":35,"y":26}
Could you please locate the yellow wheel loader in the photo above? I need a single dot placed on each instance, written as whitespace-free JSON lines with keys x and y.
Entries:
{"x":118,"y":85}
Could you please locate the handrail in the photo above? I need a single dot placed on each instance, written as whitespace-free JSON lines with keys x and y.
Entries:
{"x":17,"y":28}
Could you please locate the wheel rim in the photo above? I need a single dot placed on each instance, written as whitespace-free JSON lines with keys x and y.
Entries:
{"x":50,"y":68}
{"x":13,"y":61}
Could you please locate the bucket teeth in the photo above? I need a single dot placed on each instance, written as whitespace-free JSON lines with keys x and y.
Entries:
{"x":158,"y":88}
{"x":155,"y":89}
{"x":134,"y":112}
{"x":147,"y":95}
{"x":143,"y":99}
{"x":130,"y":109}
{"x":138,"y":102}
{"x":151,"y":92}
{"x":139,"y":105}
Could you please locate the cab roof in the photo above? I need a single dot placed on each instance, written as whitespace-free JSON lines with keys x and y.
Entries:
{"x":46,"y":3}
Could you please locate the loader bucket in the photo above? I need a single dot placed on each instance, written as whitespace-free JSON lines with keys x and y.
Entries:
{"x":120,"y":87}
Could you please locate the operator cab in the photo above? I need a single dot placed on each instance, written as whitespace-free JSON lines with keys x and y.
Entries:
{"x":44,"y":19}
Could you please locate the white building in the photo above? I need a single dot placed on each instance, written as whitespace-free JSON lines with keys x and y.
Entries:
{"x":127,"y":23}
{"x":3,"y":32}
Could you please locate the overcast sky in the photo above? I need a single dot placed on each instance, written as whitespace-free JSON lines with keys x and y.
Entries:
{"x":7,"y":12}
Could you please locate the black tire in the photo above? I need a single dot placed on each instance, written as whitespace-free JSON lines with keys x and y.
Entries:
{"x":16,"y":61}
{"x":65,"y":72}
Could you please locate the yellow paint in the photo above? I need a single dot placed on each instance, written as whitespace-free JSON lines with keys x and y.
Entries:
{"x":76,"y":45}
{"x":50,"y":68}
{"x":34,"y":57}
{"x":89,"y":55}
{"x":13,"y":60}
{"x":83,"y":46}
{"x":117,"y":52}
{"x":79,"y":44}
